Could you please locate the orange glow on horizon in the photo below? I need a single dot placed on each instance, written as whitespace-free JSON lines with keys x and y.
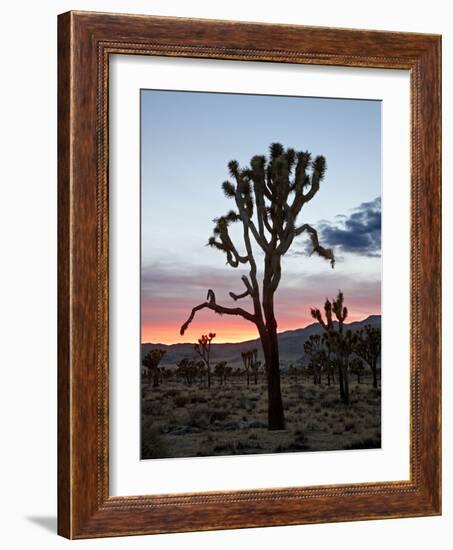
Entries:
{"x":228,"y":330}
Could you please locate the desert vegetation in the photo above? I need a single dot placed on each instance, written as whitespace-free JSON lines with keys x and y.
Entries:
{"x":329,"y":396}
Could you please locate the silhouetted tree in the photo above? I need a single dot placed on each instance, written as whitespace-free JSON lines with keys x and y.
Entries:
{"x":368,"y":347}
{"x":314,"y":348}
{"x":220,"y":371}
{"x":203,"y":348}
{"x":269,"y":195}
{"x":251,"y":364}
{"x":151,"y":362}
{"x":186,"y":370}
{"x":357,"y":368}
{"x":342,"y":343}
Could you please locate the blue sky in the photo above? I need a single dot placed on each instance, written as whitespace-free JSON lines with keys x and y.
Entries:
{"x":187,"y":139}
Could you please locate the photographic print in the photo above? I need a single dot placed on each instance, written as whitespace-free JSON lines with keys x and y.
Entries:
{"x":260,"y":274}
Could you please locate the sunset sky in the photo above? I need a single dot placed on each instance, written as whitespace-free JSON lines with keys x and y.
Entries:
{"x":187,"y":140}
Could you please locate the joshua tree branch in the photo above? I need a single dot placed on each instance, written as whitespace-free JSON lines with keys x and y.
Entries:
{"x":247,"y":221}
{"x":239,"y":296}
{"x":247,"y":292}
{"x":326,"y":253}
{"x":221,"y":310}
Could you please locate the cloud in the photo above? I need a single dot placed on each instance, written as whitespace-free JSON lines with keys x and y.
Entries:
{"x":358,"y":233}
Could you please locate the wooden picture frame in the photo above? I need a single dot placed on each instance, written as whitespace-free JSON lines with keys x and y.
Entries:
{"x":85,"y":42}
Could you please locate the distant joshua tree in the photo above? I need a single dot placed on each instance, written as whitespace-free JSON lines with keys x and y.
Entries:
{"x":314,"y":348}
{"x":341,"y":342}
{"x":357,"y":368}
{"x":203,"y":348}
{"x":222,"y":371}
{"x":251,"y":364}
{"x":368,"y":347}
{"x":151,"y":362}
{"x":269,"y":195}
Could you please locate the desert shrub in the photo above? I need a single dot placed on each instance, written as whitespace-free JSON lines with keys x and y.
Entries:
{"x":198,"y":398}
{"x":152,"y":408}
{"x":219,"y":415}
{"x":200,"y":417}
{"x":152,"y":443}
{"x":172,"y":392}
{"x":230,"y":447}
{"x":299,"y":443}
{"x":180,"y":400}
{"x":367,"y":443}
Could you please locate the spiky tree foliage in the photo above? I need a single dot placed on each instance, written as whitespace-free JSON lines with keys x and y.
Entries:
{"x":357,"y":368}
{"x":268,"y":195}
{"x":341,"y":343}
{"x":151,"y":362}
{"x":186,"y":370}
{"x":368,"y":347}
{"x":203,"y":348}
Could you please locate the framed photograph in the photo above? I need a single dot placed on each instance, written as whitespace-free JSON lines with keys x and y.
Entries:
{"x":249,"y":275}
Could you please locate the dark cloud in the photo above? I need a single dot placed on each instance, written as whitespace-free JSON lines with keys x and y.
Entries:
{"x":358,"y":233}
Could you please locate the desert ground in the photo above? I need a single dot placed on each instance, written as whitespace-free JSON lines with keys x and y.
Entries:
{"x":231,"y":419}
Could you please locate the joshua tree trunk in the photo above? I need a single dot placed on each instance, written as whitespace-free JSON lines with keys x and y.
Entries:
{"x":156,"y":377}
{"x":275,"y":414}
{"x":346,"y":383}
{"x":340,"y":379}
{"x":374,"y":369}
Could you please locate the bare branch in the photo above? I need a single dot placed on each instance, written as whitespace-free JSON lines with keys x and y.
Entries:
{"x":221,"y":310}
{"x":239,"y":296}
{"x":326,"y":253}
{"x":247,"y":292}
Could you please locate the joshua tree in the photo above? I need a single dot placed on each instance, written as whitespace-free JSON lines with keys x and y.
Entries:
{"x":368,"y":347}
{"x":357,"y":368}
{"x":330,"y":361}
{"x":268,"y":195}
{"x":340,"y":342}
{"x":203,"y":348}
{"x":200,"y":369}
{"x":151,"y":362}
{"x":251,"y":364}
{"x":314,"y":348}
{"x":223,"y":371}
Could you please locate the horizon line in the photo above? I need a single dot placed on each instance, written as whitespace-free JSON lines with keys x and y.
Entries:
{"x":253,"y":339}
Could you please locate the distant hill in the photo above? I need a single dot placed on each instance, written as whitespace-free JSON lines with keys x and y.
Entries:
{"x":291,"y":345}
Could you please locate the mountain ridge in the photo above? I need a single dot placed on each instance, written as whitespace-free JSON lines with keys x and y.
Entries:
{"x":291,"y":344}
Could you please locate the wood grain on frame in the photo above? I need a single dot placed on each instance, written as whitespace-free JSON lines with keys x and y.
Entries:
{"x":85,"y":42}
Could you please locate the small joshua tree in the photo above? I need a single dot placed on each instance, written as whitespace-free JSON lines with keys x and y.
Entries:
{"x":203,"y":348}
{"x":340,"y":342}
{"x":368,"y":347}
{"x":314,"y":348}
{"x":151,"y":362}
{"x":357,"y":368}
{"x":268,"y":195}
{"x":221,"y":370}
{"x":251,"y":364}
